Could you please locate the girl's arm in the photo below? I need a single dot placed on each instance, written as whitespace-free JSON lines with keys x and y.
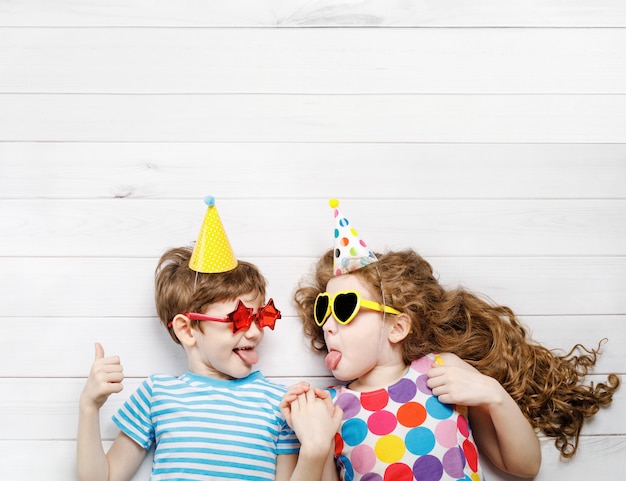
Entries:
{"x":315,"y":420}
{"x":500,"y":430}
{"x":125,"y":456}
{"x":505,"y":436}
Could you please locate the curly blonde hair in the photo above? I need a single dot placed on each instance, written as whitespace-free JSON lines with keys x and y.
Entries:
{"x":549,"y":388}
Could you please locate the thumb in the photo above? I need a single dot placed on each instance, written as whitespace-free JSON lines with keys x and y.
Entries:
{"x":99,"y":351}
{"x":337,"y":416}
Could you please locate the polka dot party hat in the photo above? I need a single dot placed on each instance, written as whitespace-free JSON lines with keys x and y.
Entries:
{"x":212,"y":252}
{"x":351,"y":253}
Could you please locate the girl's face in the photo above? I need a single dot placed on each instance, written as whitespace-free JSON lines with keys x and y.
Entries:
{"x":357,"y":348}
{"x":222,"y":354}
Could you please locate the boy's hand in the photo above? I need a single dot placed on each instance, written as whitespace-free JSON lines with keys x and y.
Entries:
{"x":105,"y":378}
{"x":290,"y":396}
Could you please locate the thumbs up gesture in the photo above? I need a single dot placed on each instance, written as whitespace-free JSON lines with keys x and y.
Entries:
{"x":105,"y":378}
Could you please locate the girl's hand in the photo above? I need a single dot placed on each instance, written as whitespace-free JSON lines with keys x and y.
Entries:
{"x":105,"y":378}
{"x":315,"y":420}
{"x":500,"y":429}
{"x":456,"y":382}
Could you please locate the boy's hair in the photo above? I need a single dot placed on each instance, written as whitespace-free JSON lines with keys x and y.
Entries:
{"x":179,"y":289}
{"x":549,"y":388}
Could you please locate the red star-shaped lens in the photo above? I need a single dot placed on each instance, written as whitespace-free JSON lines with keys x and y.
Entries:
{"x":241,"y":317}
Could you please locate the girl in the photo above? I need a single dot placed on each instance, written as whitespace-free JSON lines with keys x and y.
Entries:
{"x":381,"y":319}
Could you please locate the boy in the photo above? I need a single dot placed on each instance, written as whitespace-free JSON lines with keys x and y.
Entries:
{"x":220,"y":420}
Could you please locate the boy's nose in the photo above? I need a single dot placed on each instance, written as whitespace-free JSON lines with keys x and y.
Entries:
{"x":254,"y":331}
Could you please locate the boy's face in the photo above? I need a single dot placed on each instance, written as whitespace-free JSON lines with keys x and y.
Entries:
{"x":354,"y":348}
{"x":221,"y":354}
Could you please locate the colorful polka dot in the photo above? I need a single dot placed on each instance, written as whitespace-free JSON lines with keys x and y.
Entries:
{"x":422,"y":365}
{"x":398,"y":472}
{"x":354,"y":431}
{"x":422,"y":386}
{"x":446,"y":434}
{"x":427,"y":468}
{"x":338,"y":444}
{"x":462,"y":426}
{"x":350,"y":405}
{"x":402,"y":391}
{"x":348,"y":473}
{"x":471,"y":455}
{"x":372,"y":477}
{"x":389,"y":449}
{"x":363,"y":459}
{"x":382,"y":422}
{"x":411,"y":414}
{"x":437,"y":409}
{"x":453,"y":463}
{"x":420,"y":441}
{"x":375,"y":400}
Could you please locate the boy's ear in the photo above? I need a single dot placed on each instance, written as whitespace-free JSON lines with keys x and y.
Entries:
{"x":183,"y":330}
{"x":400,"y":328}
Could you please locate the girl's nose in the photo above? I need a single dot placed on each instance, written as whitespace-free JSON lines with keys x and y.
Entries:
{"x":330,"y":326}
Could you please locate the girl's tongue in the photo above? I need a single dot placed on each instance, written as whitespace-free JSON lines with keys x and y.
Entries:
{"x":332,"y":359}
{"x":249,"y":356}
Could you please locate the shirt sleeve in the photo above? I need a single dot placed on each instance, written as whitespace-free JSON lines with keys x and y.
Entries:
{"x":287,"y":440}
{"x":134,"y":418}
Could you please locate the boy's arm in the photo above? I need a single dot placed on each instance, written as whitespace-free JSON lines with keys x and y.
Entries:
{"x":124,"y":458}
{"x":91,"y":463}
{"x":125,"y":455}
{"x":120,"y":462}
{"x":500,"y":429}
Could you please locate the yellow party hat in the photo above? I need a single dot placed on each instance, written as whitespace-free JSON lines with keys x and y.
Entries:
{"x":212,"y":252}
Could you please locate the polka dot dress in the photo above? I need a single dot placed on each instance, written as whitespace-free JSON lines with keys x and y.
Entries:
{"x":404,"y":433}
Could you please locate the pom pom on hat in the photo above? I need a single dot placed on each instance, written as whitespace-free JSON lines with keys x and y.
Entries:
{"x":212,"y":252}
{"x":351,"y":252}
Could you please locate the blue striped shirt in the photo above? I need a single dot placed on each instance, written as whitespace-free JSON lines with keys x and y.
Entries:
{"x":205,"y":428}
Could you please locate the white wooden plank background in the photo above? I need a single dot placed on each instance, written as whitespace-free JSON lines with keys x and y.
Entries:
{"x":316,"y":13}
{"x":490,"y":136}
{"x":313,"y":61}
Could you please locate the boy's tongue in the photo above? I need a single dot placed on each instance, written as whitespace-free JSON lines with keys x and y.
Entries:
{"x":332,"y":359}
{"x":248,"y":356}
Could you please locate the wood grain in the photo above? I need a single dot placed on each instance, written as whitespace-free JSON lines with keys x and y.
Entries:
{"x":353,"y":61}
{"x":304,"y":118}
{"x":415,"y":171}
{"x":318,"y":13}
